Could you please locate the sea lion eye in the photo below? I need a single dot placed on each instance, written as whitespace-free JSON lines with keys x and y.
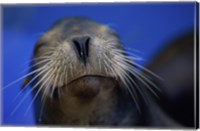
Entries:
{"x":39,"y":45}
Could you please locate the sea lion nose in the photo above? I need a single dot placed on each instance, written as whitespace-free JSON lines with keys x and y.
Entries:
{"x":81,"y":45}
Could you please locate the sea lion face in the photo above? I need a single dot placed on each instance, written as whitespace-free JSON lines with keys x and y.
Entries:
{"x":78,"y":54}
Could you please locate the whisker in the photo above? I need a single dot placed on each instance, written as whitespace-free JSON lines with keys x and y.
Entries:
{"x":61,"y":82}
{"x":132,"y":58}
{"x":28,"y":94}
{"x":133,"y":50}
{"x":127,"y":76}
{"x":145,"y":78}
{"x":59,"y":75}
{"x":146,"y":84}
{"x":46,"y":88}
{"x":65,"y":73}
{"x":99,"y":61}
{"x":112,"y":44}
{"x":31,"y":81}
{"x":54,"y":83}
{"x":131,"y":93}
{"x":41,"y":110}
{"x":139,"y":76}
{"x":126,"y":82}
{"x":120,"y":58}
{"x":141,"y":67}
{"x":17,"y":80}
{"x":40,"y":88}
{"x":36,"y":59}
{"x":39,"y":62}
{"x":122,"y":52}
{"x":112,"y":70}
{"x":134,"y":99}
{"x":149,"y":81}
{"x":46,"y":92}
{"x":150,"y":72}
{"x":129,"y":79}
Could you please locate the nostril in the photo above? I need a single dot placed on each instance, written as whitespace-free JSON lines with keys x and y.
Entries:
{"x":78,"y":47}
{"x":87,"y":46}
{"x":82,"y":47}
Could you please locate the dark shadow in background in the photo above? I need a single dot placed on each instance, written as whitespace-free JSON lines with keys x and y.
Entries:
{"x":175,"y":64}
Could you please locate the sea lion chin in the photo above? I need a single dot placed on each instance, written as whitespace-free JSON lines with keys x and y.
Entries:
{"x":87,"y":87}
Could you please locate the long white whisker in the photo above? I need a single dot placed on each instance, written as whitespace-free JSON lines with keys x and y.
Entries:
{"x":32,"y":81}
{"x":150,"y":72}
{"x":140,"y":77}
{"x":55,"y":82}
{"x":139,"y":74}
{"x":48,"y":86}
{"x":120,"y":52}
{"x":37,"y":63}
{"x":130,"y":62}
{"x":128,"y":87}
{"x":133,"y":94}
{"x":127,"y":76}
{"x":28,"y":94}
{"x":133,"y":50}
{"x":150,"y":82}
{"x":40,"y":88}
{"x":61,"y":82}
{"x":15,"y":81}
{"x":129,"y":59}
{"x":41,"y":110}
{"x":36,"y":59}
{"x":112,"y":70}
{"x":132,"y":70}
{"x":120,"y":58}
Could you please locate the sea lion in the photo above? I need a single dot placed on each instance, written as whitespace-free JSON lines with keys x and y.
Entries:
{"x":82,"y":76}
